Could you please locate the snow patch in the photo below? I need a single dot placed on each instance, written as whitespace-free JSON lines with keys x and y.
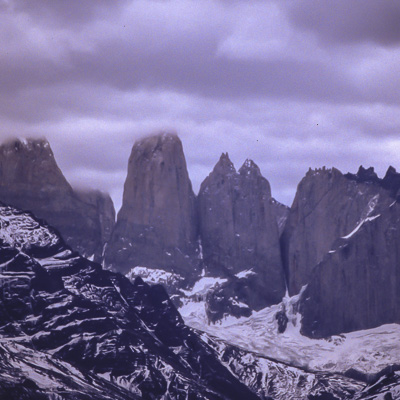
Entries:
{"x":357,"y":228}
{"x":21,"y":231}
{"x":153,"y":276}
{"x":203,"y":285}
{"x":245,"y":274}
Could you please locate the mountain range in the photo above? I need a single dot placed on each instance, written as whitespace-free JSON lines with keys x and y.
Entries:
{"x":228,"y":260}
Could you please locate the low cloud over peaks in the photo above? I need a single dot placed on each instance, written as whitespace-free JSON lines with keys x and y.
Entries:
{"x":289,"y":84}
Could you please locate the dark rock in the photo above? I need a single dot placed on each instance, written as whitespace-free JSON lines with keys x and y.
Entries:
{"x":102,"y":205}
{"x":157,"y":224}
{"x":356,"y":285}
{"x":281,"y":213}
{"x":231,"y":298}
{"x":327,"y":206}
{"x":99,"y":322}
{"x":386,"y":388}
{"x":239,"y":232}
{"x":282,"y":320}
{"x":322,"y":396}
{"x":372,"y":378}
{"x":391,"y":181}
{"x":31,"y":180}
{"x":364,"y":175}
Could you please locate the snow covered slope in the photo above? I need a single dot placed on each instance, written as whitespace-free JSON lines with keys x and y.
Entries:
{"x":368,"y":351}
{"x":30,"y":374}
{"x":279,"y":381}
{"x":66,"y":309}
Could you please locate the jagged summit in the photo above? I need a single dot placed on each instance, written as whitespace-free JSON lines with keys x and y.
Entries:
{"x":249,"y":167}
{"x":323,"y":171}
{"x":224,"y":165}
{"x":390,"y":182}
{"x":239,"y":232}
{"x":390,"y":172}
{"x":364,"y":175}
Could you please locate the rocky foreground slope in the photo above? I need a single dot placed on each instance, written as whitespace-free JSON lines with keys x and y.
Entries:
{"x":30,"y":179}
{"x":130,"y":334}
{"x":70,"y":330}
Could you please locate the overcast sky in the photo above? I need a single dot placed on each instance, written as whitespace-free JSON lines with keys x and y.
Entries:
{"x":289,"y":84}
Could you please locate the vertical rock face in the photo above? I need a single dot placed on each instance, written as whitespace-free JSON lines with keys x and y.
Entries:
{"x":327,"y":205}
{"x":102,"y":206}
{"x":357,"y":284}
{"x":30,"y":179}
{"x":281,"y":213}
{"x":157,"y":225}
{"x":239,"y":232}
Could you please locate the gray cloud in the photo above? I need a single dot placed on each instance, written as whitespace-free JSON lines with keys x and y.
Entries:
{"x":288,"y":84}
{"x":65,"y":12}
{"x":342,"y":21}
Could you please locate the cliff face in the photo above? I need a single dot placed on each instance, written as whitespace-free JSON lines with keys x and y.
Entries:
{"x":30,"y":179}
{"x":100,"y":209}
{"x":327,"y":205}
{"x":341,"y":239}
{"x":357,"y":284}
{"x":157,"y":224}
{"x":239,"y":233}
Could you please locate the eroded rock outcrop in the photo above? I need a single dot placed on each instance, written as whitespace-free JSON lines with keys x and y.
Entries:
{"x":157,"y":224}
{"x":240,"y":238}
{"x":31,"y":180}
{"x":327,"y":206}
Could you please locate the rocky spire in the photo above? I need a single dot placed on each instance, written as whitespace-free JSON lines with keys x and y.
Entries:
{"x":391,"y":181}
{"x":31,"y":179}
{"x":239,"y":231}
{"x":357,"y":284}
{"x":327,"y":205}
{"x":29,"y":165}
{"x":157,"y":225}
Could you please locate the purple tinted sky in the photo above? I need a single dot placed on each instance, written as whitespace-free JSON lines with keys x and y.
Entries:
{"x":290,"y":84}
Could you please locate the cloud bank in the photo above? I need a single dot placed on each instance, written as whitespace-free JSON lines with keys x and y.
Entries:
{"x":290,"y":84}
